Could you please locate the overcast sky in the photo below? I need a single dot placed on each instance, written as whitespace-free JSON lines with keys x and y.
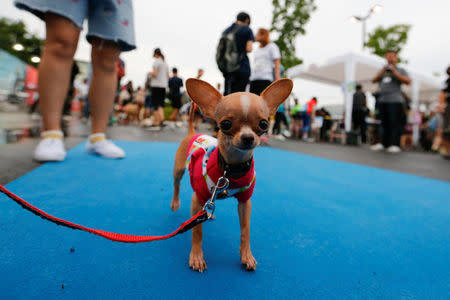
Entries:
{"x":188,"y":32}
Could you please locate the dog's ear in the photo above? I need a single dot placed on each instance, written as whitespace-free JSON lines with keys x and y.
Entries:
{"x":204,"y":95}
{"x":276,"y":93}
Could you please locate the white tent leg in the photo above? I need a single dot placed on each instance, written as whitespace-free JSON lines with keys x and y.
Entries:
{"x":349,"y":89}
{"x":415,"y":86}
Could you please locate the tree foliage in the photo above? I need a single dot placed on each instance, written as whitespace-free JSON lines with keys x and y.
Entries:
{"x":391,"y":38}
{"x":288,"y":21}
{"x":15,"y":32}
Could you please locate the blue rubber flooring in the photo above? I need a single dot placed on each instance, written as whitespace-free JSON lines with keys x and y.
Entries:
{"x":320,"y":229}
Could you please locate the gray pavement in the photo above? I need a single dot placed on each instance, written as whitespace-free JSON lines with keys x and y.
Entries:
{"x":15,"y":158}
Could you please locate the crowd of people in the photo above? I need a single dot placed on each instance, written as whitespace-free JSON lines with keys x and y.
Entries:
{"x":391,"y":129}
{"x":104,"y":99}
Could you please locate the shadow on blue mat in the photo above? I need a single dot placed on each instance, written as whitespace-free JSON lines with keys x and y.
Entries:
{"x":320,"y":229}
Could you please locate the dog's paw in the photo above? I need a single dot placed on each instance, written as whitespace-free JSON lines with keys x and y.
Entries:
{"x":248,"y":261}
{"x":196,"y":261}
{"x":175,"y":204}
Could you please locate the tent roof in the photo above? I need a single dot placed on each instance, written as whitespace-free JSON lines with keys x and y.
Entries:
{"x":332,"y":71}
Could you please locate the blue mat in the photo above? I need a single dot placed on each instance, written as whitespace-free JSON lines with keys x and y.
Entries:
{"x":321,"y":229}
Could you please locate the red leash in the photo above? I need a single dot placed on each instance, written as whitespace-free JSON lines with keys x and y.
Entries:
{"x":199,"y":218}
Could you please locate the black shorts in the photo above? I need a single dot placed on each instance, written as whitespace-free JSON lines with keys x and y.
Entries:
{"x":158,"y":97}
{"x":258,"y":86}
{"x":176,"y":101}
{"x":297,"y":116}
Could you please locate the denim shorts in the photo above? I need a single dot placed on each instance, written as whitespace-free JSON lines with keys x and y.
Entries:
{"x":110,"y":20}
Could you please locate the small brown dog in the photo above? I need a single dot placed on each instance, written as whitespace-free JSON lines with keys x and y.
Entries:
{"x":242,"y":118}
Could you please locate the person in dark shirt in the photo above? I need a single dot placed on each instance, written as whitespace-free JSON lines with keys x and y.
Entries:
{"x":175,"y":83}
{"x":359,"y":112}
{"x":391,"y":101}
{"x":237,"y":81}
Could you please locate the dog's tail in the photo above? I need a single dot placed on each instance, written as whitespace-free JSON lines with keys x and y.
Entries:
{"x":191,"y":128}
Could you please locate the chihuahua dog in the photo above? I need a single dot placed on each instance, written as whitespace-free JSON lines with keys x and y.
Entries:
{"x":243,"y":118}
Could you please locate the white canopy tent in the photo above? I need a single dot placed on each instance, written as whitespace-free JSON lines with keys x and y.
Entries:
{"x":344,"y":70}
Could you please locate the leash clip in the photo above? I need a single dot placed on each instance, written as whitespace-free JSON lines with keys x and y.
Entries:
{"x":221,"y":185}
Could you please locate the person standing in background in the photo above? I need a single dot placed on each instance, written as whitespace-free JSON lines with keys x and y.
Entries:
{"x":359,"y":112}
{"x":308,"y":115}
{"x":200,"y":73}
{"x":175,"y":84}
{"x":391,"y":100}
{"x":296,"y":118}
{"x":280,"y":117}
{"x":237,"y":81}
{"x":159,"y":83}
{"x":266,"y":63}
{"x":148,"y":96}
{"x":82,"y":91}
{"x":108,"y":35}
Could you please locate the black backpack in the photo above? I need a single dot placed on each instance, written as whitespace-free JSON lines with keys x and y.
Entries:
{"x":228,"y":57}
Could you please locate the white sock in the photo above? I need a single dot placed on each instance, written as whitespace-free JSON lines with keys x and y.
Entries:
{"x":97,"y":137}
{"x":54,"y":134}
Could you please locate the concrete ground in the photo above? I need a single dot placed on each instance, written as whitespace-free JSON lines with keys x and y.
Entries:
{"x":15,"y":158}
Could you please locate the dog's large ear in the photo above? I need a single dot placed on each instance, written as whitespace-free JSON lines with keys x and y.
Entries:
{"x":204,"y":95}
{"x":276,"y":93}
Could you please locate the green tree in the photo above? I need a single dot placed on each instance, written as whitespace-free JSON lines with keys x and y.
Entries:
{"x":12,"y":32}
{"x":288,"y":21}
{"x":391,"y":38}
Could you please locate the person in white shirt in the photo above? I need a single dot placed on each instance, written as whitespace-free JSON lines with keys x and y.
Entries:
{"x":266,"y":63}
{"x":159,"y":84}
{"x":82,"y":94}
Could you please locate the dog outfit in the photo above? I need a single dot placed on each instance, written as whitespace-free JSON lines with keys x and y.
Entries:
{"x":204,"y":171}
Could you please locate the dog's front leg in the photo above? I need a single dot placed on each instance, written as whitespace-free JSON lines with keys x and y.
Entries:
{"x":196,"y":260}
{"x":247,"y":258}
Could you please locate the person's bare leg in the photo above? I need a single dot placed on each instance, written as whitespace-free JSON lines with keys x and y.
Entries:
{"x":103,"y":84}
{"x":156,"y":120}
{"x":101,"y":96}
{"x":160,"y":115}
{"x":54,"y":69}
{"x":174,"y":114}
{"x":437,"y":140}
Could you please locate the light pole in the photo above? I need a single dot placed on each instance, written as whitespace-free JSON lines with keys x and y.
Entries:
{"x":375,"y":9}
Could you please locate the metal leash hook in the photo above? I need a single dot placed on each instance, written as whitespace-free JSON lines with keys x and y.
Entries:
{"x":221,"y":185}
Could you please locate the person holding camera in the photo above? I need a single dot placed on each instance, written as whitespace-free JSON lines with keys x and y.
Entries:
{"x":390,"y":79}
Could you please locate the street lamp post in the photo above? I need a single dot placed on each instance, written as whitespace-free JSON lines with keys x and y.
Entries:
{"x":375,"y":9}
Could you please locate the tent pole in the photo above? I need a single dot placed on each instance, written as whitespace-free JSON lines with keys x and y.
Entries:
{"x":349,"y":89}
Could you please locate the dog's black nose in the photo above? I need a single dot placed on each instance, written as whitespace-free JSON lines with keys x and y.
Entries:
{"x":247,"y":139}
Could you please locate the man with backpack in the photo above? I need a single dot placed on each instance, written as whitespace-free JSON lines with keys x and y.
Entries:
{"x":235,"y":43}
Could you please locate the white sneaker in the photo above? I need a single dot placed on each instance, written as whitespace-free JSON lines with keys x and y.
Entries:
{"x":105,"y":148}
{"x":50,"y":148}
{"x":394,"y":149}
{"x":377,"y":147}
{"x":279,"y":137}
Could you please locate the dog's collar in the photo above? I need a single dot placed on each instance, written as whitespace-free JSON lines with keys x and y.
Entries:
{"x":234,"y":170}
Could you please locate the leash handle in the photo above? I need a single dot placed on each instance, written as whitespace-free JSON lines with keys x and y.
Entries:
{"x":195,"y":220}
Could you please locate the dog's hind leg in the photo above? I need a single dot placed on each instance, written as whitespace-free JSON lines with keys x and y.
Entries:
{"x":178,"y":171}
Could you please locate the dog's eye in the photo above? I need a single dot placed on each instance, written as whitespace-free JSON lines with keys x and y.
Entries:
{"x":263,"y":124}
{"x":225,"y":125}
